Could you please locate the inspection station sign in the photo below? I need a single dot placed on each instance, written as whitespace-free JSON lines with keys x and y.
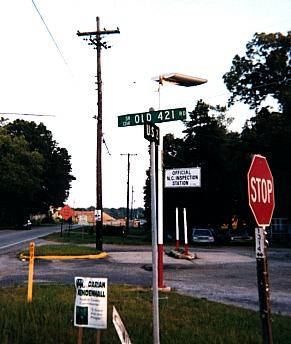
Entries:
{"x":188,"y":177}
{"x":91,"y":302}
{"x":152,"y":116}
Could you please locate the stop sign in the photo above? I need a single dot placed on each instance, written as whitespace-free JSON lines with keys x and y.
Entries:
{"x":261,"y":190}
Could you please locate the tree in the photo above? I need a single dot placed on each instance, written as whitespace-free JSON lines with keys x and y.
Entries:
{"x":43,"y":187}
{"x":206,"y":144}
{"x":264,"y":71}
{"x":56,"y":176}
{"x":20,"y":178}
{"x":269,"y":133}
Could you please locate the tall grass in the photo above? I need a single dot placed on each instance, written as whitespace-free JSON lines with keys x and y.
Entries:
{"x":183,"y":319}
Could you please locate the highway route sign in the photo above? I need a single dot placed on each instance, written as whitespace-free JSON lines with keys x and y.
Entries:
{"x":152,"y":132}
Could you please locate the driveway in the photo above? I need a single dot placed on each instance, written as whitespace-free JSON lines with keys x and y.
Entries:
{"x":223,"y":274}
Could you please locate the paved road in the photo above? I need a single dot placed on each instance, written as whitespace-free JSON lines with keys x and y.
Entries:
{"x":11,"y":238}
{"x":226,"y":274}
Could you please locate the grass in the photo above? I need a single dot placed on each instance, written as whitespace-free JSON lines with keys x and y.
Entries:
{"x":62,"y":250}
{"x":87,"y":236}
{"x":183,"y":319}
{"x":76,"y":242}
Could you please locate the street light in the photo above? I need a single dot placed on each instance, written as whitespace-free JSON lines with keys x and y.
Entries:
{"x":180,"y":80}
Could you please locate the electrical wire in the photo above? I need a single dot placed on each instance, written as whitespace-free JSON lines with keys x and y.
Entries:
{"x":24,"y":114}
{"x":51,"y":35}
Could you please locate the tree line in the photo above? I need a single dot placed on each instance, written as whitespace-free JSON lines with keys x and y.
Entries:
{"x":225,"y":156}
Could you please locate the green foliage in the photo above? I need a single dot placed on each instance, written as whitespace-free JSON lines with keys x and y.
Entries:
{"x":264,"y":71}
{"x":35,"y":172}
{"x":20,"y":178}
{"x":207,"y":144}
{"x":183,"y":319}
{"x":56,"y":177}
{"x":269,"y":134}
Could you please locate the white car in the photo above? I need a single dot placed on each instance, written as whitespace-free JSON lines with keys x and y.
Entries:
{"x":202,"y":236}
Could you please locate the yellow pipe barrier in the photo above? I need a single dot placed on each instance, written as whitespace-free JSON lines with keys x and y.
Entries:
{"x":85,"y":256}
{"x":30,"y":271}
{"x":32,"y":257}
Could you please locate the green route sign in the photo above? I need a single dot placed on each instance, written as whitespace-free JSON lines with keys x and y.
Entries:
{"x":152,"y":117}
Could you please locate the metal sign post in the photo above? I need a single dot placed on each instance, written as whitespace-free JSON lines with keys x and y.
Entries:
{"x":151,"y":133}
{"x":263,"y":284}
{"x":262,"y":203}
{"x":156,"y":329}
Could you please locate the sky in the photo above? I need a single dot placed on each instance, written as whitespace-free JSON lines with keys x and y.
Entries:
{"x":54,"y":73}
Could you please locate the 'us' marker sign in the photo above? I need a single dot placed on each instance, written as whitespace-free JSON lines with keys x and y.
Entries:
{"x":261,"y":190}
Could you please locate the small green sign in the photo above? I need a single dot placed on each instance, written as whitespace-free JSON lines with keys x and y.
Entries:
{"x":152,"y":117}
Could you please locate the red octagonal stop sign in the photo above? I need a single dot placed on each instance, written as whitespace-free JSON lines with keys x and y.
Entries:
{"x":261,"y":190}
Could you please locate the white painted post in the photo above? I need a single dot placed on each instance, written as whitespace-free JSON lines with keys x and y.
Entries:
{"x":186,"y":233}
{"x":156,"y":327}
{"x":177,"y":229}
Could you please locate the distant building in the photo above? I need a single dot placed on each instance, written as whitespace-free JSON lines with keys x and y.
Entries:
{"x":107,"y":219}
{"x":87,"y":217}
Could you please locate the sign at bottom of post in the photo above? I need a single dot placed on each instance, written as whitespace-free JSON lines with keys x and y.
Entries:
{"x":91,"y":302}
{"x":260,"y":242}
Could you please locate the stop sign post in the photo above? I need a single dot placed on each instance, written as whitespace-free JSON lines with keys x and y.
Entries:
{"x":262,"y":203}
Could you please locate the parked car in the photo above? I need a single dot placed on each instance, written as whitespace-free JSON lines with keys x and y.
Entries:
{"x":24,"y":225}
{"x":238,"y":235}
{"x":202,"y":236}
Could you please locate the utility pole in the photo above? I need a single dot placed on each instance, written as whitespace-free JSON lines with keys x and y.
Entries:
{"x":132,"y":200}
{"x":95,"y":38}
{"x":128,"y":173}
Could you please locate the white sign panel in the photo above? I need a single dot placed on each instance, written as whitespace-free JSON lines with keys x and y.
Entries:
{"x":260,"y":242}
{"x":120,"y":328}
{"x":98,"y":215}
{"x":82,"y":220}
{"x":91,"y":302}
{"x":183,"y":177}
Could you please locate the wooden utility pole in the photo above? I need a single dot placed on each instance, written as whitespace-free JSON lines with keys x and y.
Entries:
{"x":95,"y":38}
{"x":127,"y":203}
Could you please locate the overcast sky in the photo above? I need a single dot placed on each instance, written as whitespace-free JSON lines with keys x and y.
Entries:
{"x":54,"y":73}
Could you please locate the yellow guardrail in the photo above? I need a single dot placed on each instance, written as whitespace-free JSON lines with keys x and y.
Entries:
{"x":32,"y":257}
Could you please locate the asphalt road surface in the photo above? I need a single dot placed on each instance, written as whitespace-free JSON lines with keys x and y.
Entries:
{"x":12,"y":238}
{"x":223,"y":274}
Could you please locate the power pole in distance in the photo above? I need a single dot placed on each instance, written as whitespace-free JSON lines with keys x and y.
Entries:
{"x":95,"y":38}
{"x":128,"y":172}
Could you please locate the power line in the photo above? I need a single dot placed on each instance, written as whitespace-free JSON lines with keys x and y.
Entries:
{"x":51,"y":35}
{"x":24,"y":114}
